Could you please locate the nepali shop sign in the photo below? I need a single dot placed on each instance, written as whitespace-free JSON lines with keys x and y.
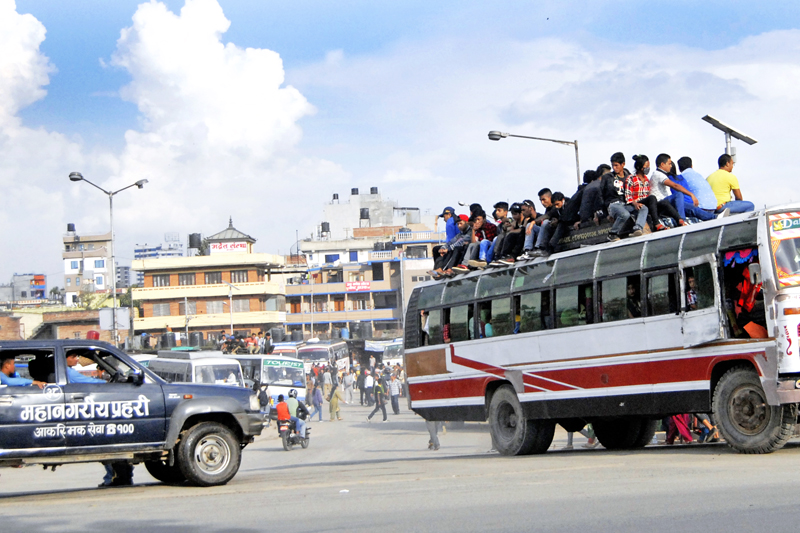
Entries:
{"x":228,"y":247}
{"x":352,"y":286}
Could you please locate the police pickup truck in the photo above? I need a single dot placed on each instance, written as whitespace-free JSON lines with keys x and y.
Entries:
{"x":181,"y":432}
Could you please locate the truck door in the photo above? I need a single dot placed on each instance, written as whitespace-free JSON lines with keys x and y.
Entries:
{"x":118,"y":405}
{"x":701,"y":305}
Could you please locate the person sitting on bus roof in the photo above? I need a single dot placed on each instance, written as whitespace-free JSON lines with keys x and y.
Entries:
{"x":482,"y":231}
{"x":637,"y":192}
{"x":500,"y":215}
{"x":515,"y":237}
{"x":723,"y":183}
{"x":661,"y":185}
{"x":697,"y":184}
{"x":451,"y":253}
{"x":612,"y":190}
{"x":591,"y":209}
{"x":561,"y":219}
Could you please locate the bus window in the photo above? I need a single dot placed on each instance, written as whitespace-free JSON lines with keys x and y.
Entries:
{"x":574,"y":306}
{"x":699,"y":287}
{"x":662,"y":295}
{"x":501,"y":317}
{"x":460,"y":329}
{"x":620,"y":299}
{"x":435,"y":327}
{"x":534,"y":311}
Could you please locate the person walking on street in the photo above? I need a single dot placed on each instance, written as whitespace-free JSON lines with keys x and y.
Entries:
{"x":369,"y":383}
{"x":327,"y":382}
{"x":316,"y":402}
{"x":348,"y":383}
{"x":380,"y":400}
{"x":336,"y":395}
{"x":394,"y":393}
{"x":433,"y":430}
{"x":360,"y":384}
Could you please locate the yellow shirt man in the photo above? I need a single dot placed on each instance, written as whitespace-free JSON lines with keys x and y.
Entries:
{"x":722,"y":183}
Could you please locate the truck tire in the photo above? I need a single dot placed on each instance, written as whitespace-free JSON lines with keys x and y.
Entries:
{"x":209,"y":454}
{"x":618,"y":433}
{"x":743,"y":417}
{"x":512,"y":433}
{"x":160,"y":469}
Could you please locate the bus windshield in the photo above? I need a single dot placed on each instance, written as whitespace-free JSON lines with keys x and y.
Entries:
{"x":784,"y":232}
{"x":218,"y":374}
{"x":282,"y":375}
{"x":319,"y":354}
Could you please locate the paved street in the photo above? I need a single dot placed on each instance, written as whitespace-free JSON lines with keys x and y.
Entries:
{"x":358,"y":476}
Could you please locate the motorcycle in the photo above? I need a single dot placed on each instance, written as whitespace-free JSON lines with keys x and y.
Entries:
{"x":290,"y":437}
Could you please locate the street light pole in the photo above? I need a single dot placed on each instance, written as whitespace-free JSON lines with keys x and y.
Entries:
{"x":77,"y":176}
{"x":497,"y":135}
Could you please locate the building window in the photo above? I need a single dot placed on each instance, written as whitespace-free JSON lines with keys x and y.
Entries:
{"x":385,"y":300}
{"x":214,"y":308}
{"x":275,"y":303}
{"x":99,"y":263}
{"x":160,"y":309}
{"x":330,"y":258}
{"x":78,"y":281}
{"x":213,"y":278}
{"x":98,"y":280}
{"x":192,"y":308}
{"x":377,"y":271}
{"x":186,"y":279}
{"x":24,"y":294}
{"x":354,"y":256}
{"x":241,"y":306}
{"x":161,"y":280}
{"x":238,"y":276}
{"x":74,"y":265}
{"x":68,"y":282}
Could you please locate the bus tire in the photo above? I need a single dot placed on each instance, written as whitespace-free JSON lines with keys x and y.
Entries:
{"x":618,"y":433}
{"x":512,"y":433}
{"x":646,"y":433}
{"x":743,"y":417}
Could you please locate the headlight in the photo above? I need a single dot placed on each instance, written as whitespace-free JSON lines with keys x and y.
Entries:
{"x":255,"y":405}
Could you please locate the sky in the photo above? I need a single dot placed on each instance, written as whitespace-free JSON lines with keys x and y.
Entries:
{"x":261,"y":110}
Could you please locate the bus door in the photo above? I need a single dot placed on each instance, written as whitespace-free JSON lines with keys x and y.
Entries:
{"x":701,"y":304}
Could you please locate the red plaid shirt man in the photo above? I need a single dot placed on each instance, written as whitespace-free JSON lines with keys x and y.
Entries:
{"x":637,"y":188}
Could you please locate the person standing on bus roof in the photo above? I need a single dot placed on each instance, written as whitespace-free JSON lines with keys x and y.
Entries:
{"x":724,"y":183}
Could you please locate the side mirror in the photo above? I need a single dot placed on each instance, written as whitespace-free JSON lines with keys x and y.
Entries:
{"x":138,"y":377}
{"x":755,"y":273}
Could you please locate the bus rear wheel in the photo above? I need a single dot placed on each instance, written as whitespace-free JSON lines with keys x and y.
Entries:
{"x":512,"y":433}
{"x":745,"y":419}
{"x":620,"y":433}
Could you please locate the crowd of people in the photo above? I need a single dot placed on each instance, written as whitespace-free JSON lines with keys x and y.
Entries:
{"x":631,"y":202}
{"x":260,"y":342}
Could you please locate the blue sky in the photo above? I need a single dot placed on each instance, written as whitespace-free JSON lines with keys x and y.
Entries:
{"x":398,"y":95}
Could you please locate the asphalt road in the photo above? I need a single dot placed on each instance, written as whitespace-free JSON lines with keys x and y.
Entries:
{"x":359,"y":476}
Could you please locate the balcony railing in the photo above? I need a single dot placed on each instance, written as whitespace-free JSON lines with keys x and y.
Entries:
{"x":415,"y":236}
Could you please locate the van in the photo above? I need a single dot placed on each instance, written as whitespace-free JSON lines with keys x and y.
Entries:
{"x":197,"y":367}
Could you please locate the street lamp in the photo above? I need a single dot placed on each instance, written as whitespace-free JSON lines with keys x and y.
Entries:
{"x":497,"y":135}
{"x":230,"y":300}
{"x":77,"y":176}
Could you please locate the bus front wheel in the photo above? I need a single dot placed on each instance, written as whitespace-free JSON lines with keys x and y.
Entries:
{"x":512,"y":433}
{"x":745,"y":419}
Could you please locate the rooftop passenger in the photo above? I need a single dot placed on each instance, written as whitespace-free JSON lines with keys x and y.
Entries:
{"x":450,"y":226}
{"x":723,"y":183}
{"x":487,"y":246}
{"x":698,"y":185}
{"x":451,"y":253}
{"x":514,"y":237}
{"x":560,"y":221}
{"x":637,"y":192}
{"x":667,"y":190}
{"x":612,"y":187}
{"x":481,"y":231}
{"x":590,"y":203}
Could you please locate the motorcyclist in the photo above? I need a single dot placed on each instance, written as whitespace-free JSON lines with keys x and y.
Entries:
{"x":298,"y":412}
{"x":282,"y":410}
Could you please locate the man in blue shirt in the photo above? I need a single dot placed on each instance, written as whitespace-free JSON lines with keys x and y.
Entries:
{"x":450,"y":227}
{"x":73,"y":376}
{"x":9,"y":376}
{"x":698,"y":185}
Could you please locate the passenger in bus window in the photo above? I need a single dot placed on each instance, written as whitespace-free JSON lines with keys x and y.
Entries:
{"x":424,"y":331}
{"x":634,"y":302}
{"x":691,"y":294}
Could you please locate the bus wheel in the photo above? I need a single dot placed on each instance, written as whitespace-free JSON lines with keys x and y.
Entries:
{"x":619,"y":433}
{"x":512,"y":433}
{"x":746,"y":421}
{"x":646,"y":434}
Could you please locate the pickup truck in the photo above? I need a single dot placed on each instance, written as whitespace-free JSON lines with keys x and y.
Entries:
{"x":181,"y":432}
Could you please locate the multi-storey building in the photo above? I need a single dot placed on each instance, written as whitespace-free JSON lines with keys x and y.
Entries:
{"x":123,"y":277}
{"x":24,"y":288}
{"x":171,"y":247}
{"x":362,"y":264}
{"x":231,"y":289}
{"x":87,"y":264}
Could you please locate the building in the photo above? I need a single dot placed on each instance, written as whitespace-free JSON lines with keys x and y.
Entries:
{"x":232,"y":288}
{"x":24,"y":288}
{"x":123,"y":277}
{"x":172,"y":247}
{"x":87,"y":264}
{"x":73,"y":324}
{"x":362,"y":265}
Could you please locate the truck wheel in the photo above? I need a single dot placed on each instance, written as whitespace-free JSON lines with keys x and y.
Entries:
{"x":743,"y":417}
{"x":618,"y":433}
{"x":209,"y":454}
{"x":160,"y":469}
{"x":287,"y":441}
{"x":512,"y":433}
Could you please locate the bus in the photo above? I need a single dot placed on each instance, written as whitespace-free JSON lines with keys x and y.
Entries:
{"x":289,"y":349}
{"x":324,"y":352}
{"x":280,"y":373}
{"x":699,"y":319}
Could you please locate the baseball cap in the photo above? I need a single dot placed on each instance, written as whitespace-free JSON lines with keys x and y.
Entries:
{"x":529,"y":203}
{"x":465,"y":218}
{"x":448,"y":210}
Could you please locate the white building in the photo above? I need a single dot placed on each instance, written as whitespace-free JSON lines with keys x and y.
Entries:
{"x":87,"y":263}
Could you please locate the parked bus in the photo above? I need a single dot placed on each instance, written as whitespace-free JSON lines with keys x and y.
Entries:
{"x":279,"y":372}
{"x":324,"y":352}
{"x":289,"y":349}
{"x":703,"y":318}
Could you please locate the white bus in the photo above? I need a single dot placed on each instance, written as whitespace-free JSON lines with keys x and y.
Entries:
{"x":324,"y":352}
{"x":281,"y":373}
{"x":699,"y":319}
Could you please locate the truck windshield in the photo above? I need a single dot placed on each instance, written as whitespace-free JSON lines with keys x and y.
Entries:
{"x":784,"y":233}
